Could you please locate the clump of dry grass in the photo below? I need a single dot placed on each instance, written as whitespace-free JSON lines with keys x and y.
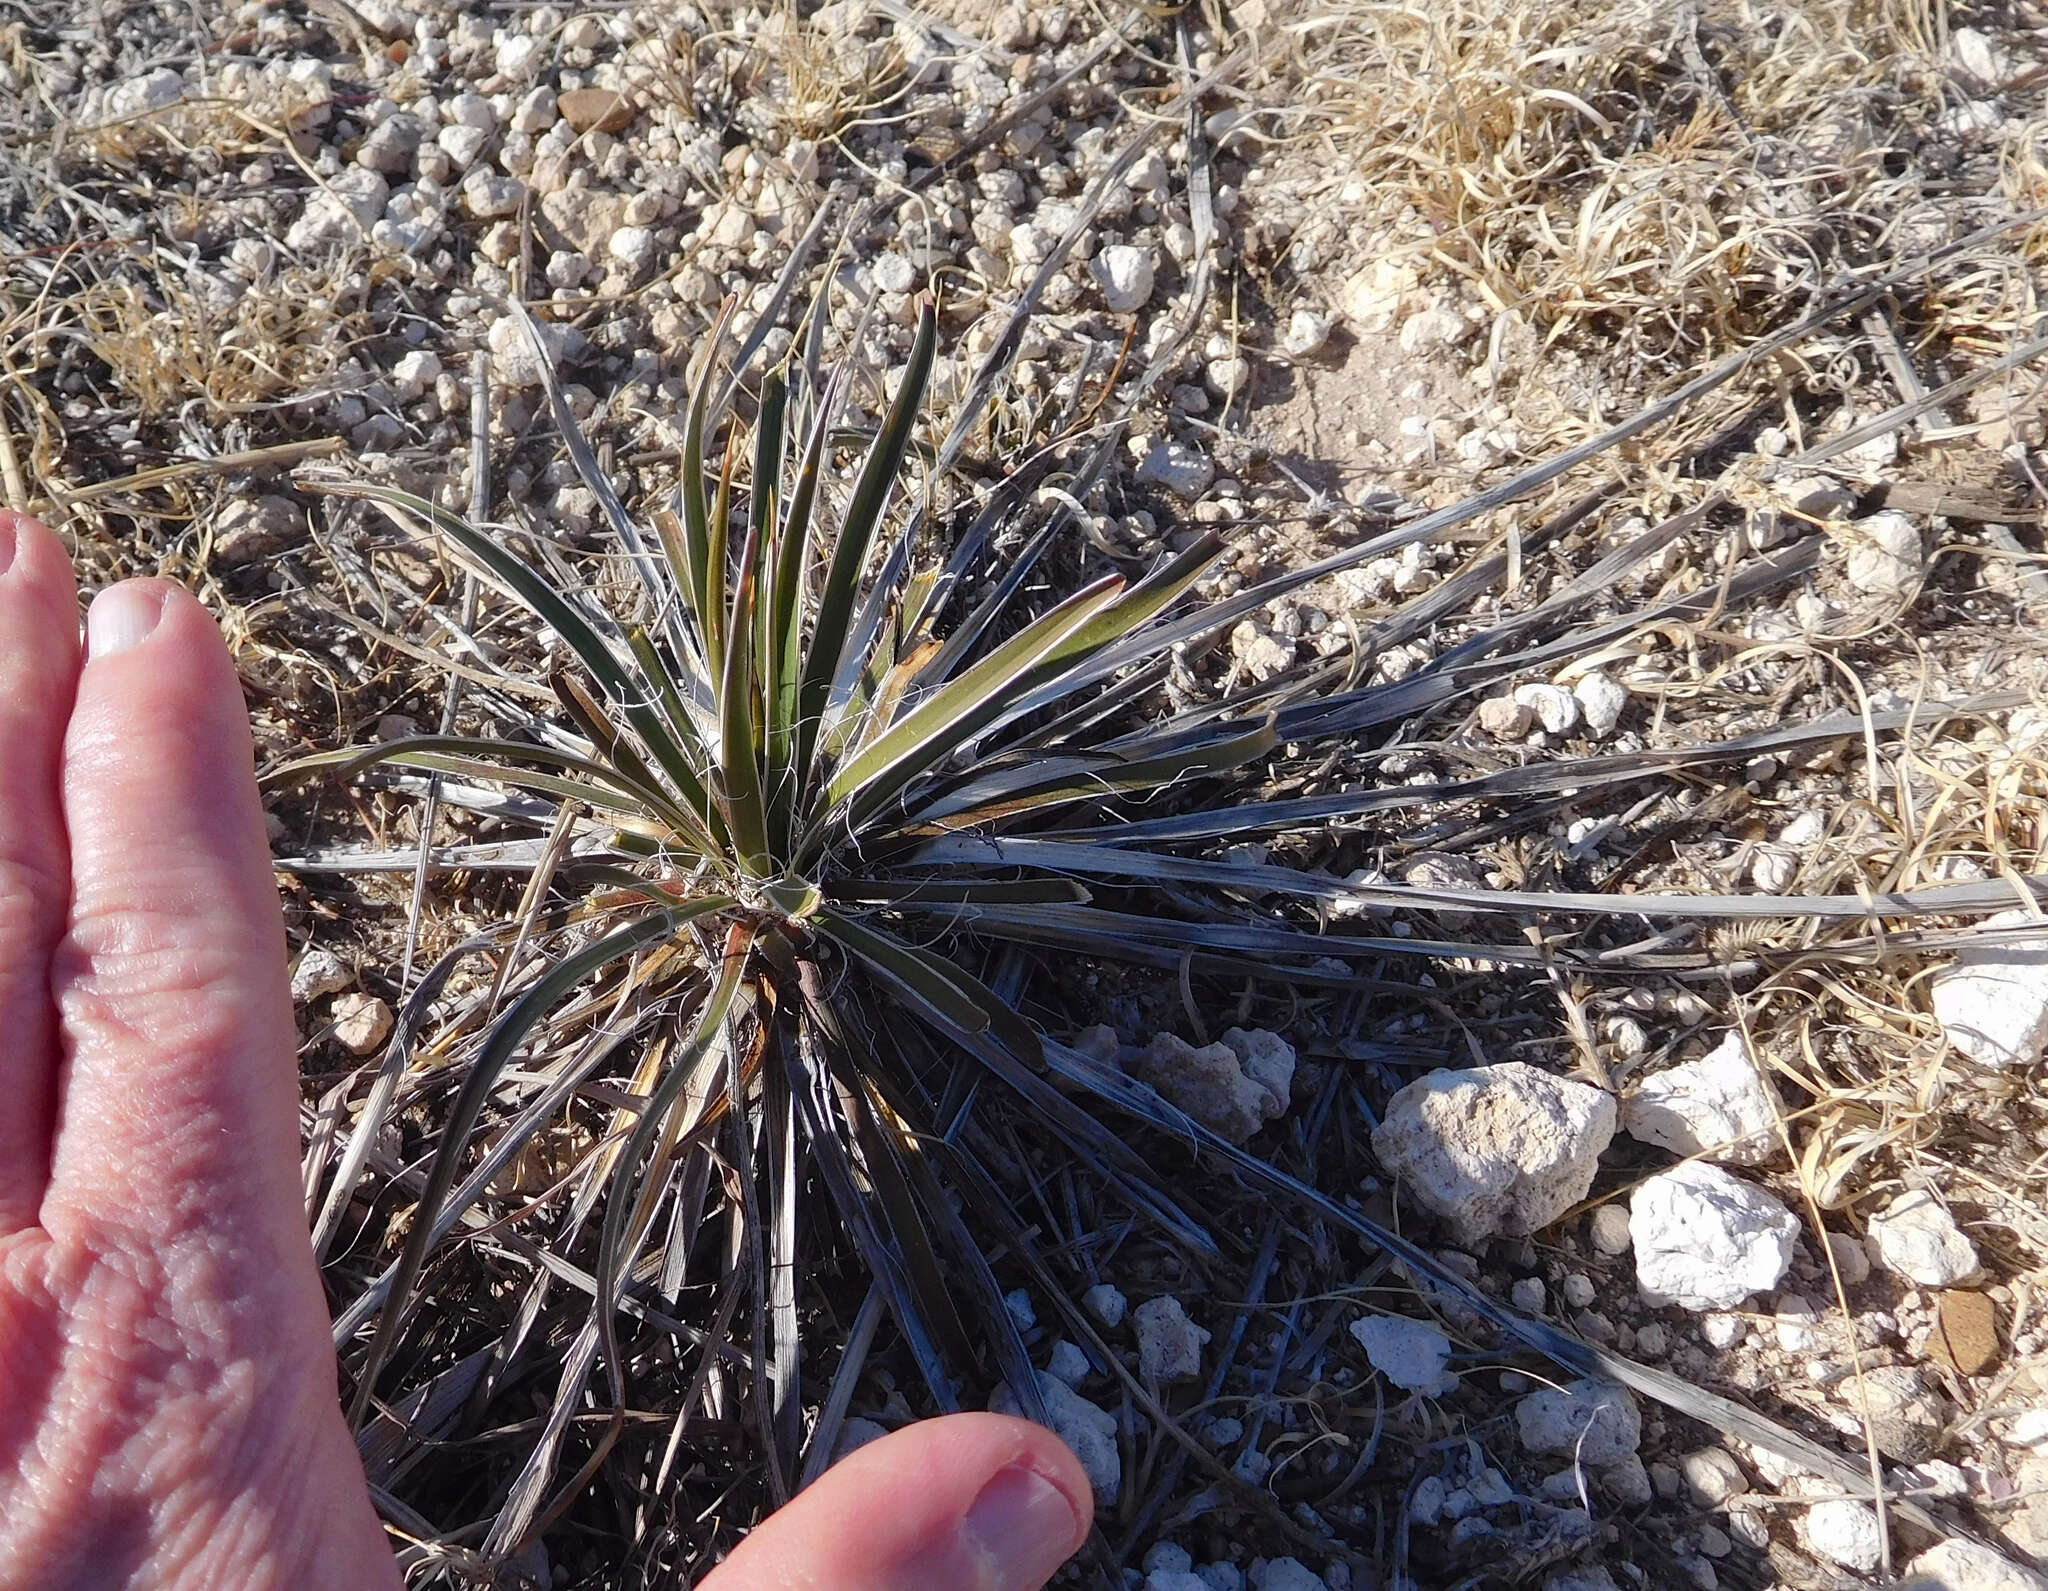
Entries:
{"x":164,"y":344}
{"x":1665,"y":176}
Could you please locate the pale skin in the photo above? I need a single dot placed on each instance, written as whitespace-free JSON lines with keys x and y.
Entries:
{"x":168,"y":1409}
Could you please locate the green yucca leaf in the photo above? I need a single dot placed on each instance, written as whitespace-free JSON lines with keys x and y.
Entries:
{"x":695,"y":542}
{"x":936,"y":891}
{"x":739,"y":768}
{"x":787,"y":770}
{"x":510,"y":1031}
{"x":941,"y":987}
{"x":764,"y":504}
{"x":671,"y":736}
{"x":1044,"y":782}
{"x":828,"y":659}
{"x":604,"y":795}
{"x":929,"y":732}
{"x":1082,"y":659}
{"x":526,"y":585}
{"x":717,"y":550}
{"x":582,"y":708}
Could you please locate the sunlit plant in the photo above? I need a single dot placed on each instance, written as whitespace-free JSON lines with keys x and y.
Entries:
{"x":804,"y":793}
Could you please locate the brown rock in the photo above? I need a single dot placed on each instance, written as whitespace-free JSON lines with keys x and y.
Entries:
{"x":362,"y":1022}
{"x":604,"y":109}
{"x":1965,"y":1334}
{"x":587,"y":217}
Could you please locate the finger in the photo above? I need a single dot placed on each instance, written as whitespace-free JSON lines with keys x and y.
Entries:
{"x":177,"y":1107}
{"x":972,"y":1502}
{"x":38,"y":672}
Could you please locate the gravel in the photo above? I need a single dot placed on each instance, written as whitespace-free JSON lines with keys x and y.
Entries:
{"x":1720,"y":1107}
{"x":1107,"y":1304}
{"x":1707,"y":1240}
{"x":1504,"y":1148}
{"x":319,"y":973}
{"x":1992,"y":1002}
{"x":1844,"y":1533}
{"x":1916,"y":1237}
{"x":362,"y":1023}
{"x":1412,"y":1354}
{"x":1169,"y":1344}
{"x":1087,"y":1428}
{"x":1595,"y":1421}
{"x":1125,"y":272}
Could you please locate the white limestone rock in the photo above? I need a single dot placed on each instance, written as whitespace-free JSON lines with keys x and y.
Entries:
{"x":320,"y":972}
{"x":1183,"y":470}
{"x":1556,"y":708}
{"x":1495,"y":1149}
{"x":462,"y":143}
{"x":1595,"y":1421}
{"x":415,"y":372}
{"x":1601,"y":701}
{"x":1287,"y":1574}
{"x":1915,"y":1237}
{"x":1844,"y":1533}
{"x":341,"y":213}
{"x":1068,"y":1362}
{"x":1412,"y":1354}
{"x":1169,"y":1344}
{"x":1980,"y":57}
{"x":1712,"y":1475}
{"x":1720,"y":1106}
{"x":1609,"y":1229}
{"x":1707,"y":1240}
{"x":1124,"y":272}
{"x":1107,"y":1304}
{"x":1306,"y":333}
{"x":138,"y":96}
{"x":1234,"y":1087}
{"x":513,"y":363}
{"x":1885,"y":558}
{"x":1968,"y":1566}
{"x":1268,"y":1060}
{"x":391,"y":145}
{"x":488,"y":194}
{"x":1992,"y":1002}
{"x":1087,"y":1428}
{"x":634,"y":249}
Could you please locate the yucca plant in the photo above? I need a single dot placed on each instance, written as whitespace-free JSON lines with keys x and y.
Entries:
{"x":811,"y":790}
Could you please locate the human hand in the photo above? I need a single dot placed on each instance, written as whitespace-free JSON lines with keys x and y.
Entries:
{"x":168,"y":1411}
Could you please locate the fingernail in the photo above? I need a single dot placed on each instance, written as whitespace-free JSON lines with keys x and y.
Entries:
{"x":122,"y":616}
{"x":1025,"y":1528}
